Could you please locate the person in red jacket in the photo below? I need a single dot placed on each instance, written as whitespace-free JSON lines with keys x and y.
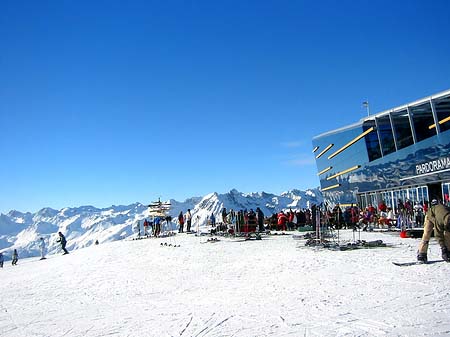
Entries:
{"x":282,"y":219}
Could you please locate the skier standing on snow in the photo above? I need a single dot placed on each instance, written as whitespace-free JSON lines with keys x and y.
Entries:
{"x":157,"y":223}
{"x":63,"y":241}
{"x":260,"y":219}
{"x":224,"y":215}
{"x":181,"y":222}
{"x":42,"y":247}
{"x":2,"y":259}
{"x":438,"y":219}
{"x":15,"y":257}
{"x":188,"y":217}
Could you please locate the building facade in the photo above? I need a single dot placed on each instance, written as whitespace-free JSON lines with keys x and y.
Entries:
{"x":402,"y":153}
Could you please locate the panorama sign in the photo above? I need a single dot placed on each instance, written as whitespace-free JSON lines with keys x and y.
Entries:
{"x":433,"y":166}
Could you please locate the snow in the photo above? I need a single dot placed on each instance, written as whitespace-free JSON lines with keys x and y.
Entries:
{"x":272,"y":287}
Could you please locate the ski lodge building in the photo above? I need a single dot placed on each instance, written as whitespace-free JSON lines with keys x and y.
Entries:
{"x":401,"y":153}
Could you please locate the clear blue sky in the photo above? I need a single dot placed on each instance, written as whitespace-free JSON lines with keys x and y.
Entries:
{"x":113,"y":102}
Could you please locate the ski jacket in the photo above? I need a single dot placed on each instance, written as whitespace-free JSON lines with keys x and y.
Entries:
{"x":42,"y":245}
{"x":282,"y":219}
{"x":440,"y":214}
{"x":181,"y":219}
{"x":260,"y":216}
{"x":62,"y":239}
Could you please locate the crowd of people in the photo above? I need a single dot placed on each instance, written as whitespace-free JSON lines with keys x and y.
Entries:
{"x":153,"y":227}
{"x":434,"y":217}
{"x":405,"y":215}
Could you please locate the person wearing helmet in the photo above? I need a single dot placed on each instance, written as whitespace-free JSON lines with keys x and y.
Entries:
{"x":437,"y":218}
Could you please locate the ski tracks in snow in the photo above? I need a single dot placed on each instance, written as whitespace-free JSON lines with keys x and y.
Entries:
{"x":203,"y":328}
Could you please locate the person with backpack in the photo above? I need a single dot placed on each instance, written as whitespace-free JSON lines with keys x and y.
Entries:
{"x":438,"y":219}
{"x":62,"y":240}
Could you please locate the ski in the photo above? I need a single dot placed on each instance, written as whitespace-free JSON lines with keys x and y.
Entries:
{"x":414,"y":263}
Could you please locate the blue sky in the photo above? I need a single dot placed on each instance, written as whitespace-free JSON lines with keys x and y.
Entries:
{"x":113,"y":102}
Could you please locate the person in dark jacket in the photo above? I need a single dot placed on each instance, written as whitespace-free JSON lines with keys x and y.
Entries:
{"x":15,"y":257}
{"x":63,"y":241}
{"x":181,"y":222}
{"x":260,"y":219}
{"x":1,"y":260}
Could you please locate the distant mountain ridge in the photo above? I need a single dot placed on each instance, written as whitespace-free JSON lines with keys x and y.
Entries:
{"x":86,"y":224}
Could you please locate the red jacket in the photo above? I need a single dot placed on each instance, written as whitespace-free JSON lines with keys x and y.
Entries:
{"x":282,"y":218}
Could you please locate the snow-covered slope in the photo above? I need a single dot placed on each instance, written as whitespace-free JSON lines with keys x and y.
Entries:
{"x":272,"y":287}
{"x":82,"y":226}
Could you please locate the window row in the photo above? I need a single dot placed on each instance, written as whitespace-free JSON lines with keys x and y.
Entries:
{"x":405,"y":127}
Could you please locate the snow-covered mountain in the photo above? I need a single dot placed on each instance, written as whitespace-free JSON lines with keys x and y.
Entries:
{"x":84,"y":225}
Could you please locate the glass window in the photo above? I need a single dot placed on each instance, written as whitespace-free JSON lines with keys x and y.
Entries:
{"x":423,"y":194}
{"x":386,"y":135}
{"x":442,"y":106}
{"x":387,"y":197}
{"x":446,"y":193}
{"x":422,"y":117}
{"x":402,"y":129}
{"x":372,"y":143}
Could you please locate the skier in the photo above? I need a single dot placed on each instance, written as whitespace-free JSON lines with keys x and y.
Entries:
{"x":2,"y":259}
{"x":260,"y":219}
{"x":15,"y":257}
{"x":212,"y":220}
{"x":42,"y":247}
{"x":146,"y":225}
{"x":157,"y":223}
{"x":282,"y":219}
{"x":181,"y":222}
{"x":224,"y":215}
{"x":188,"y":217}
{"x":437,"y":218}
{"x":63,"y":241}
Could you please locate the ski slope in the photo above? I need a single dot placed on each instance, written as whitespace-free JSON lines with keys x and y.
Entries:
{"x":272,"y":287}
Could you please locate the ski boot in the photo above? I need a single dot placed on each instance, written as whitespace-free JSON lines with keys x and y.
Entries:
{"x":422,"y":257}
{"x":445,"y":254}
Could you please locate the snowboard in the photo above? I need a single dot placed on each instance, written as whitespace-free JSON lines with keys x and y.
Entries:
{"x":414,"y":263}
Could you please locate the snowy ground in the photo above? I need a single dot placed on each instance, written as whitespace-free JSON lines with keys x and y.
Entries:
{"x":273,"y":287}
